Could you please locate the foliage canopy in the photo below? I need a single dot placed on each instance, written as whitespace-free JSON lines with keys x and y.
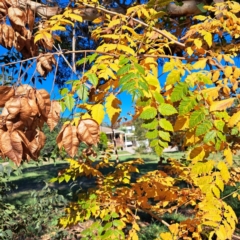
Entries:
{"x":199,"y":101}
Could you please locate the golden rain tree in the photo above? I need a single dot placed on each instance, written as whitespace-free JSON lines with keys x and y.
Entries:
{"x":199,"y":45}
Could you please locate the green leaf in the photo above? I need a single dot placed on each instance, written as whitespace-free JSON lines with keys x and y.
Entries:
{"x":123,"y":60}
{"x":82,"y":92}
{"x":63,"y":106}
{"x":186,"y":105}
{"x":166,"y":109}
{"x":128,"y":86}
{"x":221,"y":136}
{"x":143,"y":85}
{"x":179,"y":92}
{"x":164,"y":135}
{"x":69,"y":102}
{"x":63,"y":91}
{"x":210,"y":136}
{"x":195,"y":118}
{"x":81,"y":61}
{"x":200,"y":6}
{"x":107,"y":226}
{"x":150,"y":125}
{"x":154,"y":142}
{"x":148,"y":113}
{"x":203,"y":128}
{"x":219,"y":124}
{"x":139,"y":68}
{"x":92,"y":57}
{"x":114,"y":215}
{"x":118,"y":223}
{"x":158,"y":97}
{"x":173,"y":77}
{"x":165,"y":124}
{"x":124,"y":69}
{"x":93,"y":79}
{"x":159,"y":150}
{"x":163,"y":144}
{"x":126,"y":78}
{"x":152,"y":134}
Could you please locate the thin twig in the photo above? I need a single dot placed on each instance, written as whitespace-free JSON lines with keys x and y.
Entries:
{"x":62,"y":53}
{"x":137,"y":21}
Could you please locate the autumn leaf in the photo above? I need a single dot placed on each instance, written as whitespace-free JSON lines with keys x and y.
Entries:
{"x":97,"y":112}
{"x":112,"y":108}
{"x":53,"y":115}
{"x":6,"y":93}
{"x":70,"y":140}
{"x":221,"y":105}
{"x":88,"y":131}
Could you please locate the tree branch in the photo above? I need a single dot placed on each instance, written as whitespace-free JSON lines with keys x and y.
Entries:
{"x":138,"y":21}
{"x":62,"y":53}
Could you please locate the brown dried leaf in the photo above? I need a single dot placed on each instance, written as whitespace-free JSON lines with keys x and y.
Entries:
{"x":88,"y":131}
{"x":44,"y":64}
{"x":43,"y":102}
{"x":36,"y":140}
{"x":31,"y":48}
{"x":7,"y":33}
{"x":23,"y":90}
{"x":33,"y":102}
{"x":13,"y":107}
{"x":17,"y":16}
{"x":25,"y":110}
{"x":5,"y":94}
{"x":41,"y":71}
{"x":15,"y":125}
{"x":2,"y":122}
{"x":12,"y":2}
{"x":19,"y":42}
{"x":3,"y":8}
{"x":11,"y":146}
{"x":54,"y":115}
{"x":30,"y":18}
{"x":70,"y":140}
{"x":60,"y":136}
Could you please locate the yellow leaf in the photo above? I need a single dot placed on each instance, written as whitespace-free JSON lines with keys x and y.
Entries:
{"x":224,"y":171}
{"x":236,"y":73}
{"x":234,"y":120}
{"x":216,"y":191}
{"x":198,"y":43}
{"x":221,"y":105}
{"x":38,"y":37}
{"x":189,"y":51}
{"x":85,"y":116}
{"x":112,"y":108}
{"x":135,"y":226}
{"x":174,"y":228}
{"x":58,"y":28}
{"x":182,"y":123}
{"x":98,"y":20}
{"x":228,"y":155}
{"x":125,"y":49}
{"x":166,"y":236}
{"x":216,"y":76}
{"x":97,"y":113}
{"x":201,"y":64}
{"x":228,"y":71}
{"x":75,"y":17}
{"x":211,"y":92}
{"x":208,"y":38}
{"x":197,"y":154}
